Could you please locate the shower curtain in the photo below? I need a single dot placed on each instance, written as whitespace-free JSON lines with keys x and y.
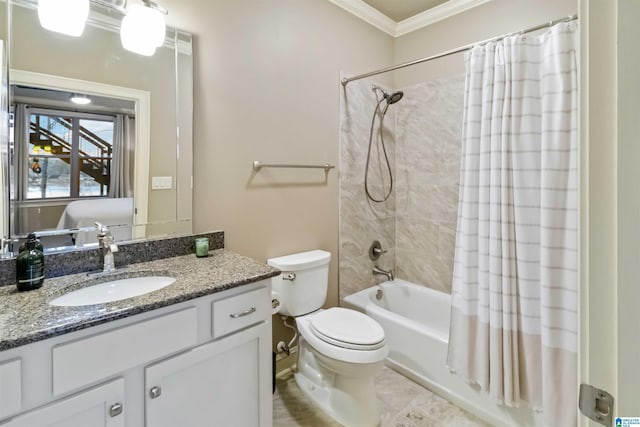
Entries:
{"x":122,"y":162}
{"x":514,"y":319}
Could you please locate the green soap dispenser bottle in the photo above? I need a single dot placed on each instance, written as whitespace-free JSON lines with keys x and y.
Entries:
{"x":30,"y":265}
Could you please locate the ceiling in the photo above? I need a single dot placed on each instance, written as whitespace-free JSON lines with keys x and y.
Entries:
{"x":400,"y":17}
{"x":399,"y":10}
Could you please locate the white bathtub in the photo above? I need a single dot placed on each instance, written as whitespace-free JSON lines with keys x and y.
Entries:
{"x":416,"y":324}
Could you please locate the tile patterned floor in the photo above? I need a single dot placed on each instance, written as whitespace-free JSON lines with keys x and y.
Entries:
{"x":403,"y":403}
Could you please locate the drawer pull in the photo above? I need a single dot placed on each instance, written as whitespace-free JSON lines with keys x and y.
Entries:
{"x":243,"y":313}
{"x":115,"y":409}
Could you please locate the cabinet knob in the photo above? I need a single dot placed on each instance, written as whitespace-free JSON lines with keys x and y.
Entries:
{"x":115,"y":409}
{"x":155,"y":392}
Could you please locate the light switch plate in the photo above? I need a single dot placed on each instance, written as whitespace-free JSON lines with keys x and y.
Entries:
{"x":161,"y":183}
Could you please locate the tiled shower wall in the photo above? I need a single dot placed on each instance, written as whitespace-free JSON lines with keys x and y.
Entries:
{"x":362,"y":221}
{"x":417,"y":224}
{"x":428,"y":135}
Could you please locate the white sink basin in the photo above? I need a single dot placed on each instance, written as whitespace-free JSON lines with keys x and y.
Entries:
{"x":115,"y":290}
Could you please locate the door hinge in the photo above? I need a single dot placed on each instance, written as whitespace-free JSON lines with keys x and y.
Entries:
{"x":596,"y":404}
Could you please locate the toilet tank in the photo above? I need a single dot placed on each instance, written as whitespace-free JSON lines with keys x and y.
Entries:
{"x":302,"y":285}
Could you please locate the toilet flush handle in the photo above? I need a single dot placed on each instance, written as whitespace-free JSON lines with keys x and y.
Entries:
{"x":289,"y":276}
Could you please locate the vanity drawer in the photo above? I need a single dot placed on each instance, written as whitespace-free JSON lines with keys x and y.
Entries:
{"x":10,"y":387}
{"x":239,"y":311}
{"x":99,"y":356}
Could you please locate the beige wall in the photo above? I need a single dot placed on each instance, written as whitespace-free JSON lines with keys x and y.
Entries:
{"x":267,"y":88}
{"x":488,"y":20}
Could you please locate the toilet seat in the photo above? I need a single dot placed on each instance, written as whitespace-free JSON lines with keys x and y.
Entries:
{"x":365,"y":354}
{"x":348,"y":329}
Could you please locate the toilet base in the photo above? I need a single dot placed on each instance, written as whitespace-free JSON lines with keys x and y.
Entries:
{"x":349,"y":399}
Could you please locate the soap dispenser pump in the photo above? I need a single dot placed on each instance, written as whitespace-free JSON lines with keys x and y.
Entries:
{"x":30,"y":265}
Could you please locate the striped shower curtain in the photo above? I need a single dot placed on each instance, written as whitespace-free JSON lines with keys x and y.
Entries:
{"x":514,"y":321}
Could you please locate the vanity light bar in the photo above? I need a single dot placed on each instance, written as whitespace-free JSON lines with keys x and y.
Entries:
{"x":142,"y":30}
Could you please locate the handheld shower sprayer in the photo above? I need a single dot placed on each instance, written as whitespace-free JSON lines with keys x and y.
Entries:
{"x":391,"y":98}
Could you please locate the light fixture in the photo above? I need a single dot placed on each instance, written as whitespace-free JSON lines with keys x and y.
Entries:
{"x":143,"y":28}
{"x":80,"y":99}
{"x":64,"y":16}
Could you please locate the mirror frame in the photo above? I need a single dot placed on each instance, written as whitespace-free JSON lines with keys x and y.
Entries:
{"x":142,"y":100}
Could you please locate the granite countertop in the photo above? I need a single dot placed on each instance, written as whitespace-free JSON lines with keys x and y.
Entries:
{"x":26,"y":317}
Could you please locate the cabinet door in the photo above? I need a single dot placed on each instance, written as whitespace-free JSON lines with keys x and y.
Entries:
{"x":90,"y":408}
{"x":225,"y":383}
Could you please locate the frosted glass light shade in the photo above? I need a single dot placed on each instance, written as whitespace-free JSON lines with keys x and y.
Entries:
{"x":143,"y":29}
{"x":80,"y":99}
{"x":64,"y":16}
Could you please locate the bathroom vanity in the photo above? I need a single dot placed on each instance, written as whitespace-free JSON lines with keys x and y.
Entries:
{"x":195,"y":353}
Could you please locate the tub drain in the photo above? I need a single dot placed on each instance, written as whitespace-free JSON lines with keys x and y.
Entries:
{"x":379,"y":294}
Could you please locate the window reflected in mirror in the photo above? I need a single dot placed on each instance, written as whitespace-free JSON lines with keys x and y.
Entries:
{"x":78,"y":162}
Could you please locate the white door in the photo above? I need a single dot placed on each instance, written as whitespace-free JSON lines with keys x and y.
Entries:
{"x":224,"y":383}
{"x":97,"y":407}
{"x":610,"y":319}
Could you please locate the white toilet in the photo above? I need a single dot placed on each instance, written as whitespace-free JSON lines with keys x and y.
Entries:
{"x":340,"y":350}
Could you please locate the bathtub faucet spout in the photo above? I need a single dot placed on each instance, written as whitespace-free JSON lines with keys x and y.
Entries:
{"x":378,"y":270}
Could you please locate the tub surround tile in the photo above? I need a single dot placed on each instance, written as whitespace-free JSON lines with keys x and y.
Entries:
{"x":83,"y":260}
{"x":361,"y":220}
{"x":428,"y":271}
{"x":425,"y":138}
{"x":26,"y":317}
{"x":357,"y":104}
{"x":429,"y":126}
{"x":417,"y":234}
{"x":446,"y":247}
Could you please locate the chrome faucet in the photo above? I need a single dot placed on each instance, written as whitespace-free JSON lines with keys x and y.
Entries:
{"x":107,"y":247}
{"x":378,"y":270}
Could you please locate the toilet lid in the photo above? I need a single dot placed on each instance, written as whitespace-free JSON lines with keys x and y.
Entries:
{"x":347,"y":328}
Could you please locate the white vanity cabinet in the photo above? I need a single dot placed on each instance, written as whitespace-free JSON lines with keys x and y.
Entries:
{"x":203,"y":362}
{"x":213,"y":385}
{"x":98,"y":407}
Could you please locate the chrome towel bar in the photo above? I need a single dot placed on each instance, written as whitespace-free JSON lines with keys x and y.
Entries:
{"x":257,"y":165}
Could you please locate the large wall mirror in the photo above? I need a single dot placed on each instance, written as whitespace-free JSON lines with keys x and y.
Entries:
{"x":124,"y":159}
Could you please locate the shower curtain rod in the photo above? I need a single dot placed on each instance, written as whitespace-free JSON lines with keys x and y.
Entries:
{"x":346,"y":80}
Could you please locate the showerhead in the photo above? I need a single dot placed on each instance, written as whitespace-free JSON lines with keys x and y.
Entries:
{"x":394,"y":97}
{"x":390,"y":98}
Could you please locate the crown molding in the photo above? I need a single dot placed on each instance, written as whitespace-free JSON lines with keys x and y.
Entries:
{"x":368,"y":14}
{"x":433,"y":15}
{"x":396,"y":29}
